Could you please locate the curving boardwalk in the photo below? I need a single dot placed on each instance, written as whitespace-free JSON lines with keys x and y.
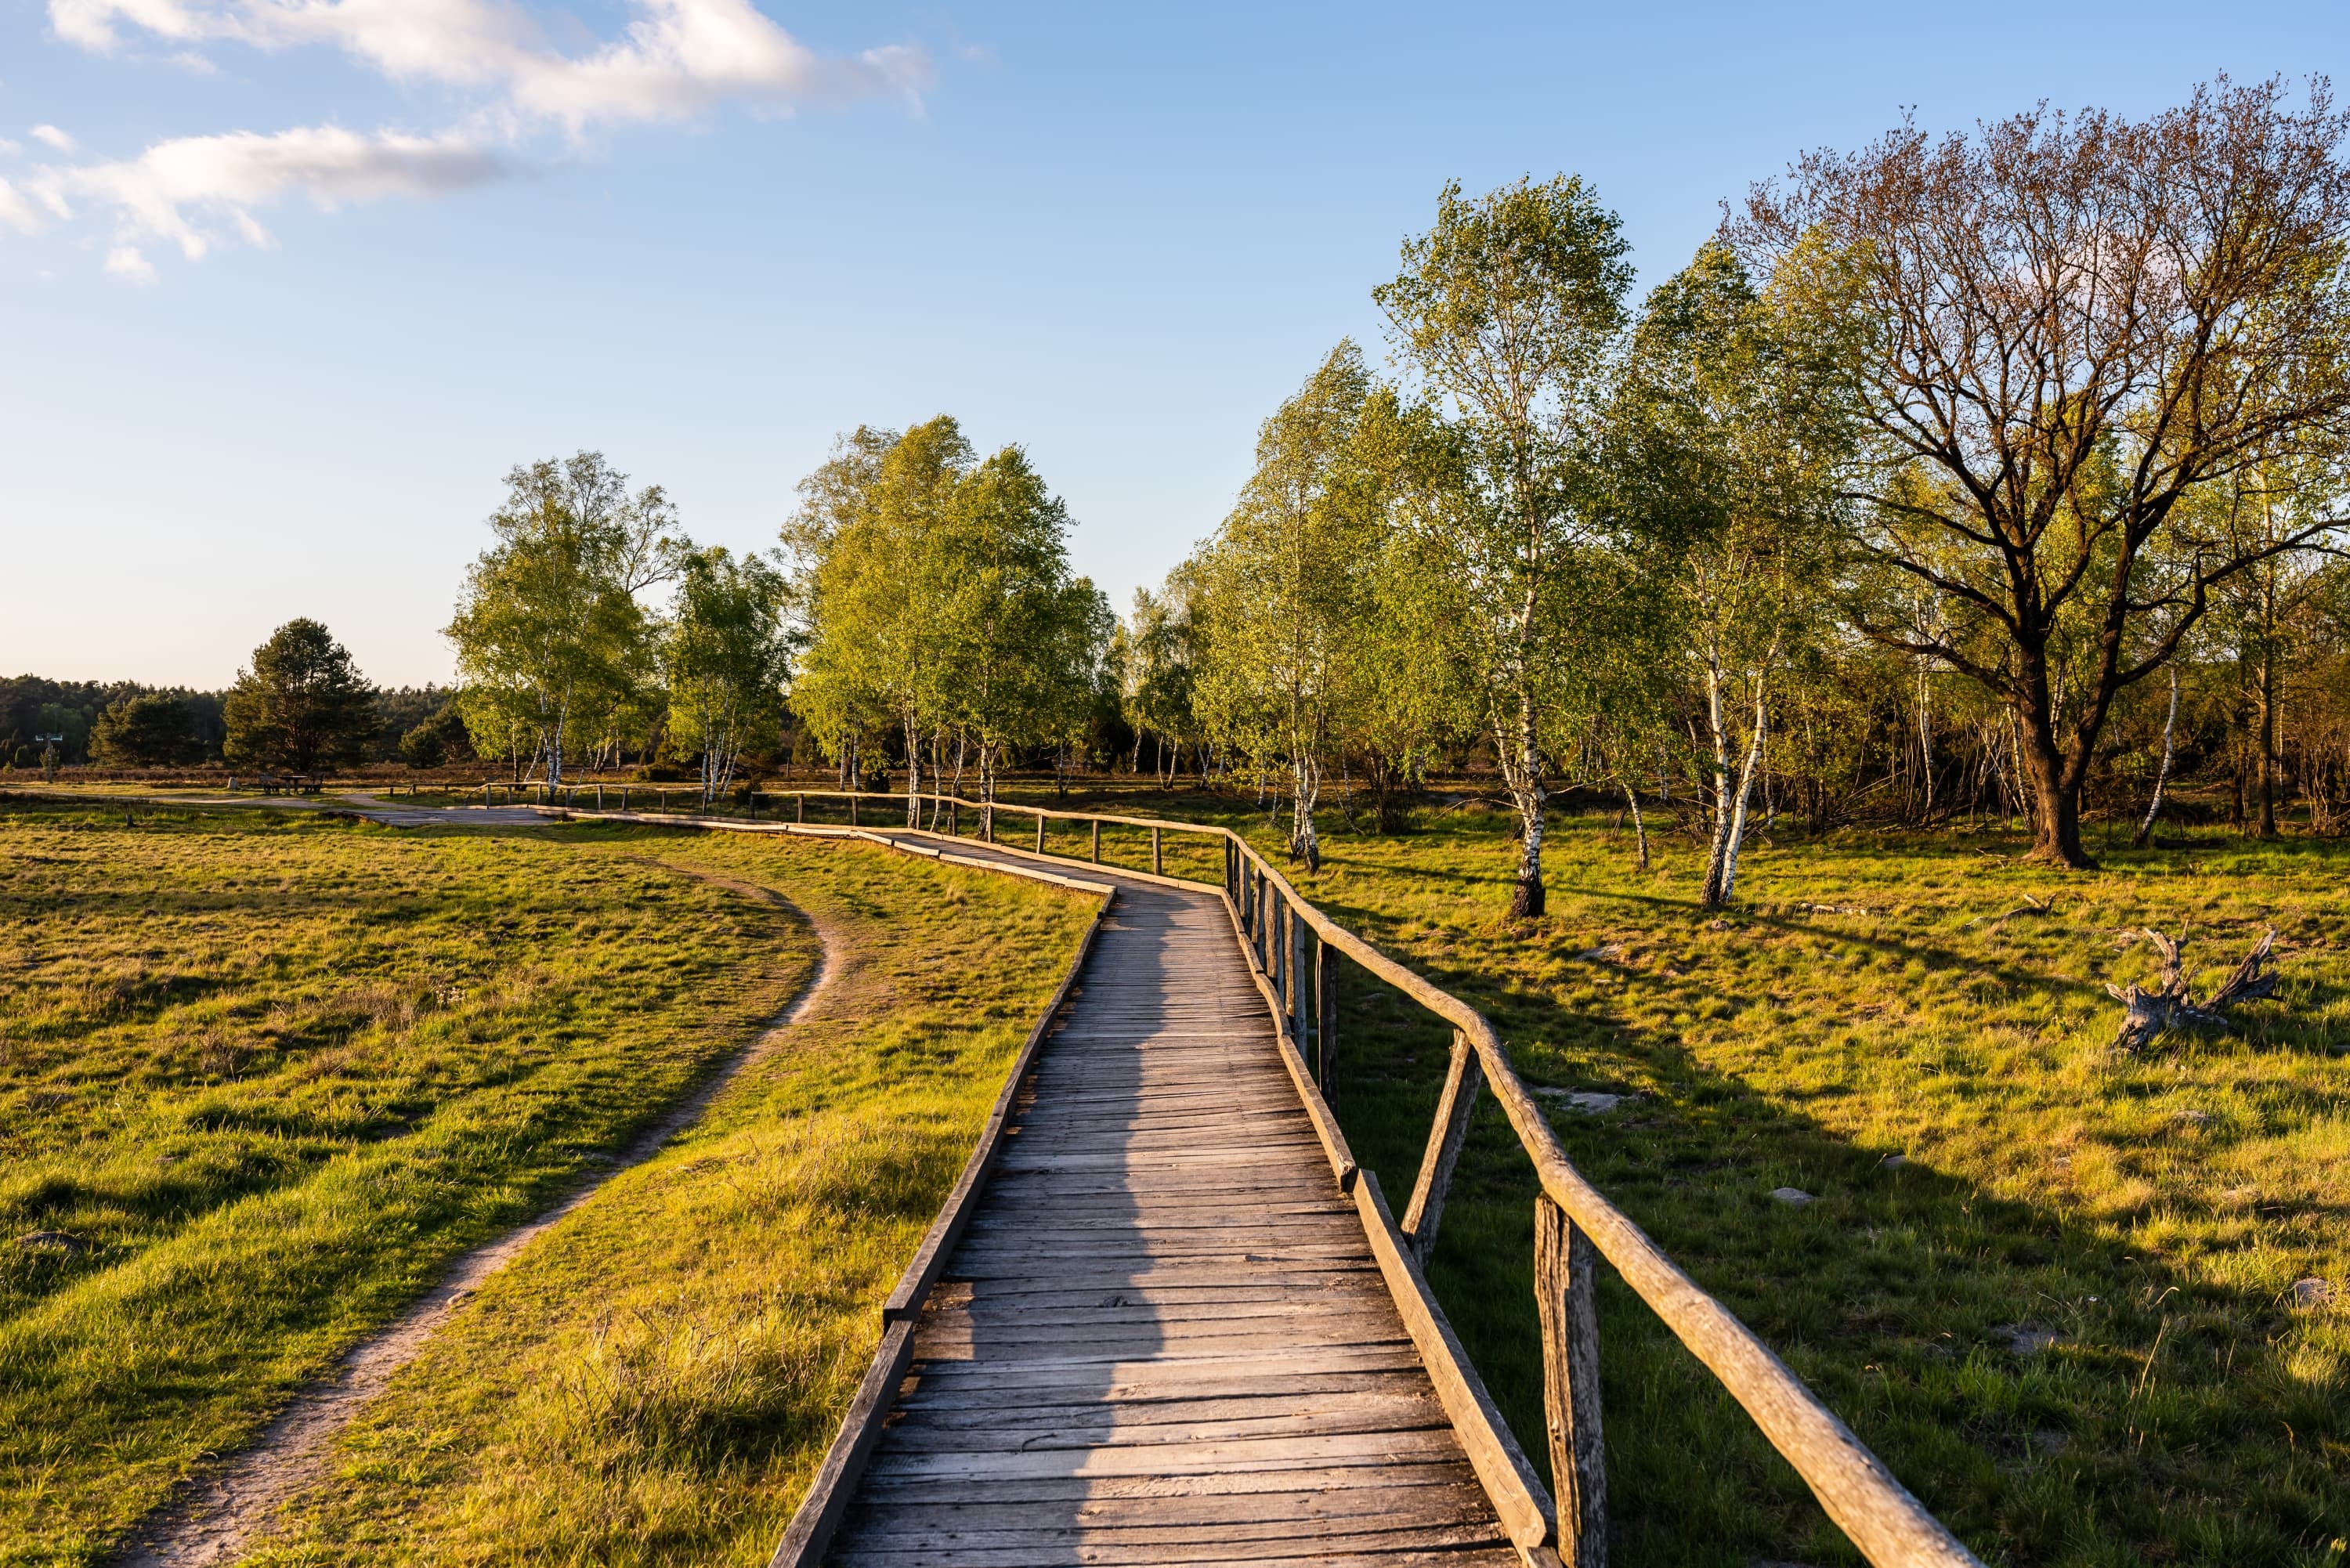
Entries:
{"x":1163,"y":1337}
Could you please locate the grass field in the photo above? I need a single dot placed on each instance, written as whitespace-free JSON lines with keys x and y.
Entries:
{"x":2140,"y":1220}
{"x":267,"y":1073}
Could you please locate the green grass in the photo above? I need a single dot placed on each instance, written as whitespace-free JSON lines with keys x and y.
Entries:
{"x":2149,"y":1211}
{"x":267,"y":1073}
{"x":656,"y":1380}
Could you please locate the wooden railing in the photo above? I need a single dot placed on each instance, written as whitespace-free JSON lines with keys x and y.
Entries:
{"x":1294,"y":946}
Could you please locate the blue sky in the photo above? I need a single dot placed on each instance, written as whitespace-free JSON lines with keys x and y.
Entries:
{"x":287,"y":286}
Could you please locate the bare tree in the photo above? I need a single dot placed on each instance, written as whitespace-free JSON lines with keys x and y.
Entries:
{"x":2074,"y":322}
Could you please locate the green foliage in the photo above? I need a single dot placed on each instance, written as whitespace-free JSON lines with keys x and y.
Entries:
{"x":727,"y":655}
{"x":423,"y":747}
{"x":153,"y":728}
{"x":553,"y":649}
{"x":301,"y":706}
{"x":939,"y":605}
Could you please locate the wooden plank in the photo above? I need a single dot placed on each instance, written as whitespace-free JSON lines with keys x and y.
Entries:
{"x":1570,"y":1335}
{"x":955,"y":1213}
{"x":1438,"y":1500}
{"x":828,"y":1495}
{"x":1253,"y":1540}
{"x":1525,"y":1508}
{"x":1454,"y":1108}
{"x":1254,"y":1455}
{"x":1078,"y":1554}
{"x":898,"y":1490}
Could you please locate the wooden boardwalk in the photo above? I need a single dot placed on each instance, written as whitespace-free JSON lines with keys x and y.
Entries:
{"x":1163,"y":1337}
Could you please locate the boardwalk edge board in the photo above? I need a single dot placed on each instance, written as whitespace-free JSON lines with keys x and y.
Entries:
{"x":828,"y":1496}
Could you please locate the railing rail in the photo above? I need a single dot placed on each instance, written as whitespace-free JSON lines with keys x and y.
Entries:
{"x":1572,"y":1219}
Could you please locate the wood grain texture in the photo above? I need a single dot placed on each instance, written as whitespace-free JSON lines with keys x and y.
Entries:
{"x":1454,"y":1107}
{"x":1564,"y":1286}
{"x":1158,"y":1334}
{"x":1880,"y":1517}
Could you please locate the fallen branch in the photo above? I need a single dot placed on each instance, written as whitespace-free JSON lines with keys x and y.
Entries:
{"x":2031,"y":906}
{"x":2147,"y":1014}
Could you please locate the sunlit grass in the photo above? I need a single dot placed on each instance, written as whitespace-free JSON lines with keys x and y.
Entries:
{"x":657,"y":1379}
{"x":2149,"y":1214}
{"x":264,"y":1073}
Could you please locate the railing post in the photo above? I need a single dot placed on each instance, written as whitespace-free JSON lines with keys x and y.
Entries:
{"x":624,"y":797}
{"x":1325,"y":1019}
{"x":1277,"y":944}
{"x":1156,"y":870}
{"x":987,"y":821}
{"x":1564,"y":1282}
{"x":799,"y":808}
{"x":1040,"y":832}
{"x":1294,"y":972}
{"x":1096,"y":821}
{"x":1462,"y":1079}
{"x":852,"y":808}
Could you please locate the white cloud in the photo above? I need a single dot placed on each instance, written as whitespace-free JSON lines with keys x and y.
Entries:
{"x":90,"y":22}
{"x":171,"y":191}
{"x":9,"y":149}
{"x":125,"y":262}
{"x":676,"y":58}
{"x":681,"y":58}
{"x":17,"y":211}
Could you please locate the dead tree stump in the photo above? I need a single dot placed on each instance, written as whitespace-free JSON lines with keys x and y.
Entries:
{"x":2147,"y":1014}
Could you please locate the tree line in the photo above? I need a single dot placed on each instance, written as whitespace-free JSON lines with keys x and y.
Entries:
{"x":126,"y":724}
{"x":1992,"y":469}
{"x":1996,"y":473}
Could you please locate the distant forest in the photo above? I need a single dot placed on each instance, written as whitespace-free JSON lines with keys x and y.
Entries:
{"x":31,"y":705}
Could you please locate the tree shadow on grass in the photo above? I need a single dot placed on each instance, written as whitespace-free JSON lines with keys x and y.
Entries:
{"x":2051,"y":1396}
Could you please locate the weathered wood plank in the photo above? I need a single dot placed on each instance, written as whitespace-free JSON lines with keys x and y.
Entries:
{"x":1570,"y":1332}
{"x":1160,"y":1299}
{"x":1462,"y":1078}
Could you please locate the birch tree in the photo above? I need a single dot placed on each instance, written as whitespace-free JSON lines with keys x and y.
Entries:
{"x":1021,"y":634}
{"x":938,"y":604}
{"x":1287,"y":570}
{"x":549,"y":633}
{"x":1508,"y":311}
{"x":726,"y":653}
{"x":880,"y":642}
{"x":1735,"y":436}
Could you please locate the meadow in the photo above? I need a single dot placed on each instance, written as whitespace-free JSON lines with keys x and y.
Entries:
{"x":267,"y":1073}
{"x":2054,"y":1285}
{"x":2064,"y":1290}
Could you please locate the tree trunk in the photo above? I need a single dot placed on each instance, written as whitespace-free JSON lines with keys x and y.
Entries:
{"x":1639,"y":828}
{"x":1305,"y":785}
{"x":913,"y":773}
{"x":2267,"y":775}
{"x":2162,"y":769}
{"x":1711,"y":893}
{"x":2057,"y":809}
{"x":1522,"y":771}
{"x":1729,"y":801}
